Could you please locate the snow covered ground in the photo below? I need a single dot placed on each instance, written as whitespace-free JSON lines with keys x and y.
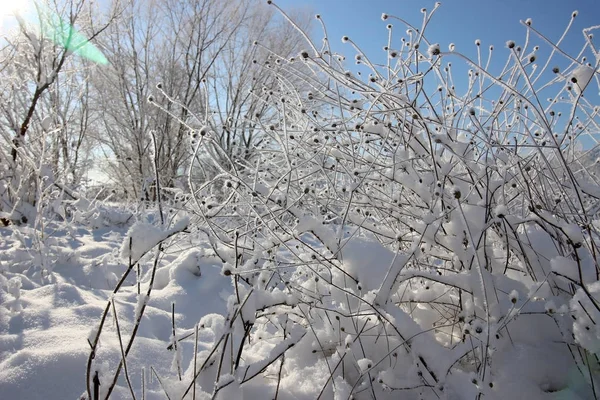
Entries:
{"x":51,"y":301}
{"x":371,"y":232}
{"x":46,"y":315}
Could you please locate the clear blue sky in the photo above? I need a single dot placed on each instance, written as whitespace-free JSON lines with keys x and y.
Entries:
{"x":457,"y":21}
{"x":460,"y":22}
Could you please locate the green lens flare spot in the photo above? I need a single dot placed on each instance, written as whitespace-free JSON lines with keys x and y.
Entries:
{"x":66,"y":35}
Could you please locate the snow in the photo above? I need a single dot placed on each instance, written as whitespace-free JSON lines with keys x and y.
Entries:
{"x":433,"y":50}
{"x":581,"y":77}
{"x":144,"y":236}
{"x":46,"y":326}
{"x":500,"y":211}
{"x":48,"y":336}
{"x":364,"y":364}
{"x":566,"y":267}
{"x":378,"y":246}
{"x":586,"y":327}
{"x":141,"y":302}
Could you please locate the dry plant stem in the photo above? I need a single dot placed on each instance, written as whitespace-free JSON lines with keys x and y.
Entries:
{"x":330,"y":378}
{"x":195,"y":362}
{"x":123,"y":357}
{"x":107,"y":308}
{"x":484,"y":288}
{"x":162,"y":386}
{"x":175,"y":341}
{"x":219,"y":366}
{"x":373,"y":159}
{"x":246,"y":378}
{"x":231,"y":317}
{"x":138,"y":321}
{"x":157,"y":178}
{"x":279,"y":376}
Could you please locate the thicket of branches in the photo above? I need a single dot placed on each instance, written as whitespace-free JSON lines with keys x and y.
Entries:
{"x":71,"y":120}
{"x":193,"y":55}
{"x":399,"y":234}
{"x":389,"y":230}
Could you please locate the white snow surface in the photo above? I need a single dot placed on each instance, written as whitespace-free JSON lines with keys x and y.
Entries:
{"x":47,"y":317}
{"x":143,"y":236}
{"x":51,"y":304}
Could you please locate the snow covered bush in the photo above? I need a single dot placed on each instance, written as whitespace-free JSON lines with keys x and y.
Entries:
{"x":396,"y":235}
{"x":97,"y":214}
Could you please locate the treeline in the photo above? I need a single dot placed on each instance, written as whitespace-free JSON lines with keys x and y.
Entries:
{"x":85,"y":86}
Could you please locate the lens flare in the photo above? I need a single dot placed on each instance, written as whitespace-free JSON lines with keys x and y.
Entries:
{"x":47,"y":24}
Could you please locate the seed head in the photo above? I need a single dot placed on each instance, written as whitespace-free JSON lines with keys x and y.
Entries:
{"x":456,"y":193}
{"x":434,"y":50}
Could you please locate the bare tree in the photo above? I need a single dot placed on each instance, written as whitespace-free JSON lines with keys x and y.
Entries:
{"x":156,"y":44}
{"x":42,"y":98}
{"x":122,"y":91}
{"x":246,"y":72}
{"x":177,"y":67}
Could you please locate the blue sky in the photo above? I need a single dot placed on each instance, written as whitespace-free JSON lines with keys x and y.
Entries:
{"x":457,"y":21}
{"x":460,"y":22}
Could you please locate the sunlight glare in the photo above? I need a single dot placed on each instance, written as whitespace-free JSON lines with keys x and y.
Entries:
{"x":12,"y":7}
{"x":9,"y":9}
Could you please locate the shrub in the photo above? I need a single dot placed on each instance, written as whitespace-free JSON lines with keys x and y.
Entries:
{"x":397,"y":234}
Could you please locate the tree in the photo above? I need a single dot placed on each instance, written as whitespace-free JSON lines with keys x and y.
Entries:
{"x":247,"y":80}
{"x":194,"y":61}
{"x":44,"y":113}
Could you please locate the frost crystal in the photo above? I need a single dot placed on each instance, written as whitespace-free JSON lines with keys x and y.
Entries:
{"x":434,"y":50}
